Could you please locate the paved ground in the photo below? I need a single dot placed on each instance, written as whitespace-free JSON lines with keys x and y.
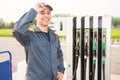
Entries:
{"x":15,"y":48}
{"x":115,"y":59}
{"x":19,"y":55}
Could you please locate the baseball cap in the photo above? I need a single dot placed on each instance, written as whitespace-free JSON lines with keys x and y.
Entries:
{"x":48,"y":6}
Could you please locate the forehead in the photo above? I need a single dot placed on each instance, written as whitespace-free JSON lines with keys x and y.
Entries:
{"x":46,"y":9}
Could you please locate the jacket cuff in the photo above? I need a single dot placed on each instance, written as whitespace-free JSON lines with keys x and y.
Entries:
{"x":62,"y":70}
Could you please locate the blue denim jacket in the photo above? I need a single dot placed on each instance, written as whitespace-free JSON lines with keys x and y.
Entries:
{"x":45,"y":57}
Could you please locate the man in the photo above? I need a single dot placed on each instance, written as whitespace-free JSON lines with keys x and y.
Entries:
{"x":43,"y":53}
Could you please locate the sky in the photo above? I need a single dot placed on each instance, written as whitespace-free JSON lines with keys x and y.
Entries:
{"x":12,"y":10}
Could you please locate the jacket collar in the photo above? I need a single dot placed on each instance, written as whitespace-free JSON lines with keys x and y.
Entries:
{"x":36,"y":29}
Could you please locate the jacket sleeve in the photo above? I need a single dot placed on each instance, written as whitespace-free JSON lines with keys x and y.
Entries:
{"x":20,"y":30}
{"x":60,"y":59}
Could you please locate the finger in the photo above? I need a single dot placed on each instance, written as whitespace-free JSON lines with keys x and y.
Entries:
{"x":60,"y":76}
{"x":40,"y":5}
{"x":57,"y":76}
{"x":43,"y":5}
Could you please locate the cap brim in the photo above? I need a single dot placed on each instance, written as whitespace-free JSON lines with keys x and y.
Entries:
{"x":48,"y":6}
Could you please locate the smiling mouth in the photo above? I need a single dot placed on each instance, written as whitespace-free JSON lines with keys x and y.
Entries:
{"x":46,"y":20}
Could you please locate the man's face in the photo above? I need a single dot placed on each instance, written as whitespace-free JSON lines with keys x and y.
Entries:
{"x":43,"y":17}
